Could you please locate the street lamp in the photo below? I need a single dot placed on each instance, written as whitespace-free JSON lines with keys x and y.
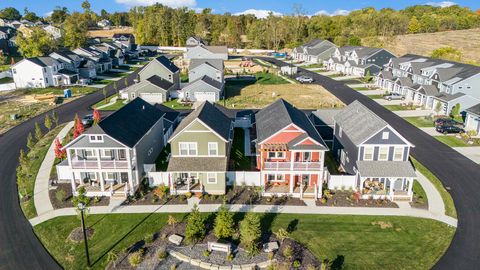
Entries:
{"x":81,"y":207}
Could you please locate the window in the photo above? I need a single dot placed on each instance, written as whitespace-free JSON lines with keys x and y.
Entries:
{"x":89,"y":153}
{"x":367,"y":153}
{"x":188,"y":148}
{"x":107,"y":153}
{"x":383,"y":153}
{"x":211,"y":178}
{"x":398,"y":153}
{"x":46,"y":80}
{"x":385,"y":135}
{"x":96,"y":138}
{"x":276,"y":177}
{"x":276,"y":155}
{"x":121,"y":154}
{"x":110,"y":176}
{"x":307,"y":156}
{"x":212,"y":149}
{"x":92,"y":176}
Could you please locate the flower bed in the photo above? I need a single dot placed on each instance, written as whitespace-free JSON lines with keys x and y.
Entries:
{"x":61,"y":197}
{"x":348,"y":199}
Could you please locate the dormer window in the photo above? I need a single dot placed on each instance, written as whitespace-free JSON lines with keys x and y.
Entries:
{"x":96,"y":138}
{"x":385,"y":135}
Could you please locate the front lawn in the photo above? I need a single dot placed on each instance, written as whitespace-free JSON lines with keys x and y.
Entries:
{"x":102,"y":102}
{"x":175,"y":105}
{"x":114,"y":74}
{"x":453,"y":141}
{"x":269,"y":78}
{"x":420,"y":121}
{"x":419,"y":194}
{"x":375,"y":96}
{"x":238,"y":160}
{"x":447,"y":198}
{"x":398,"y":107}
{"x":6,"y":80}
{"x":318,"y":65}
{"x":362,"y":88}
{"x":115,"y":106}
{"x":352,"y":242}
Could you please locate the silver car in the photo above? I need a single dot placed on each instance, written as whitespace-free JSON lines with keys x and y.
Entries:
{"x":304,"y":79}
{"x":393,"y":96}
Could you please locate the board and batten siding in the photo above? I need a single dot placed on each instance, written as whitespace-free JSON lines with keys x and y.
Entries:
{"x":202,"y":138}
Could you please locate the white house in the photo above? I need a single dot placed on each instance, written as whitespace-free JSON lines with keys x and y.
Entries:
{"x":104,"y":23}
{"x":472,"y":120}
{"x":54,"y":31}
{"x":207,"y":52}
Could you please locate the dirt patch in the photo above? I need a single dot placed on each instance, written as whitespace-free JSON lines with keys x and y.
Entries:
{"x":77,"y":234}
{"x":347,"y":199}
{"x":109,"y":33}
{"x":383,"y":225}
{"x":61,"y":197}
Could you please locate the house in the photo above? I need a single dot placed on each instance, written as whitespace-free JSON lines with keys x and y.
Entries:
{"x":153,"y":90}
{"x":315,"y":51}
{"x":195,"y":41}
{"x":162,"y":67}
{"x":103,"y":62}
{"x":369,"y":148}
{"x":200,"y":149}
{"x":41,"y":72}
{"x":290,"y":152}
{"x":213,"y":68}
{"x":171,"y":119}
{"x":435,"y":84}
{"x":54,"y":31}
{"x":112,"y":157}
{"x":472,"y":119}
{"x":104,"y":23}
{"x":203,"y":89}
{"x":207,"y":52}
{"x":6,"y":32}
{"x":120,"y":37}
{"x":69,"y":59}
{"x":358,"y":60}
{"x":113,"y":52}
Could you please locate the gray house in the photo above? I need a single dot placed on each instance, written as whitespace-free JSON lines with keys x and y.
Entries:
{"x":472,"y":119}
{"x":195,"y":41}
{"x":207,"y":52}
{"x":152,"y":90}
{"x":377,"y":154}
{"x":113,"y":156}
{"x":315,"y":51}
{"x":163,"y":68}
{"x":212,"y":68}
{"x":203,"y":89}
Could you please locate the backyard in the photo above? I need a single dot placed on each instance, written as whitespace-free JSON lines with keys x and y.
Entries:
{"x":238,"y":160}
{"x":353,"y":242}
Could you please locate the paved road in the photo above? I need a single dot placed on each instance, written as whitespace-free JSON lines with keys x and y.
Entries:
{"x":455,"y":171}
{"x":19,"y":247}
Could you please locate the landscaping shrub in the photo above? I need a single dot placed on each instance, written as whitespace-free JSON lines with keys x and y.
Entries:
{"x":161,"y":191}
{"x":230,"y":257}
{"x":250,"y":232}
{"x":296,"y":264}
{"x":288,"y":252}
{"x":224,"y":224}
{"x":60,"y":195}
{"x":148,"y":238}
{"x":161,"y":254}
{"x":135,"y":259}
{"x":195,"y":229}
{"x":206,"y":253}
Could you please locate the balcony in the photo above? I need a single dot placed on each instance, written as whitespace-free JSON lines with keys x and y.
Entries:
{"x":292,"y":166}
{"x":96,"y":164}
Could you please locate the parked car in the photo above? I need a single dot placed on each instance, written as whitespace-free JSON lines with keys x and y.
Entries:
{"x":87,"y":120}
{"x":447,"y":129}
{"x":304,"y":79}
{"x":393,"y":96}
{"x":447,"y":121}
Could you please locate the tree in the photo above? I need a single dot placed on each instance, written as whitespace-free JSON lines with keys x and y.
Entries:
{"x":438,"y":108}
{"x":282,"y":234}
{"x":81,"y":198}
{"x":195,"y":228}
{"x":59,"y":152}
{"x":30,"y":16}
{"x":48,"y":122}
{"x":78,"y":127}
{"x":354,"y":41}
{"x":55,"y":117}
{"x":447,"y":53}
{"x":414,"y":25}
{"x":76,"y":28}
{"x":104,"y":92}
{"x":37,"y":43}
{"x":368,"y":77}
{"x":3,"y":58}
{"x":96,"y":116}
{"x":30,"y":141}
{"x":250,"y":232}
{"x":38,"y":132}
{"x":172,"y":221}
{"x":86,"y":6}
{"x":115,"y":87}
{"x":224,"y":224}
{"x":59,"y":15}
{"x":455,"y":110}
{"x":10,"y":13}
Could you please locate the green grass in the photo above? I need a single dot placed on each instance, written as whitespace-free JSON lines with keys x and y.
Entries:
{"x":96,"y":81}
{"x":114,"y":74}
{"x":35,"y":159}
{"x":269,"y":78}
{"x":76,"y":90}
{"x":375,"y":96}
{"x":420,"y":121}
{"x":410,"y":243}
{"x":237,"y":156}
{"x":115,"y":106}
{"x":318,"y":65}
{"x":361,"y":88}
{"x":4,"y":67}
{"x":453,"y":141}
{"x":447,"y":198}
{"x":398,"y":107}
{"x":419,"y":192}
{"x":161,"y":161}
{"x":184,"y":77}
{"x":6,"y":80}
{"x":175,"y":105}
{"x":102,"y":102}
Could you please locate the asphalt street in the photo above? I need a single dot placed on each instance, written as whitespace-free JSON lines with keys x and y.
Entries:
{"x":19,"y":246}
{"x":458,"y":173}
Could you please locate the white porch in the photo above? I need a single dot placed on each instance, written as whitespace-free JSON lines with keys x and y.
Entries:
{"x":392,"y":188}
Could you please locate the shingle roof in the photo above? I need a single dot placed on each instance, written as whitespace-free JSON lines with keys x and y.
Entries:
{"x":43,"y":61}
{"x":448,"y":97}
{"x":197,"y":164}
{"x":387,"y":75}
{"x":429,"y":90}
{"x":217,"y":49}
{"x":358,"y":122}
{"x":474,"y":109}
{"x":279,"y":115}
{"x":211,"y":116}
{"x":405,"y":81}
{"x":169,"y":113}
{"x":325,"y":116}
{"x":167,"y":63}
{"x":160,"y":82}
{"x":209,"y":81}
{"x":216,"y":63}
{"x":385,"y":169}
{"x":313,"y":42}
{"x":130,"y":123}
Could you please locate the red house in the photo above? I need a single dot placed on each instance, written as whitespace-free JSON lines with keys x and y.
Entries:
{"x":290,"y":152}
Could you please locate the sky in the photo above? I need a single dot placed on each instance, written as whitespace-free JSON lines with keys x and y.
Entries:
{"x":260,"y":8}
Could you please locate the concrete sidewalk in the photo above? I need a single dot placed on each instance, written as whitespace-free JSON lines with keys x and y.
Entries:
{"x":41,"y":198}
{"x":471,"y":152}
{"x":412,"y":113}
{"x":111,"y":102}
{"x":372,"y":92}
{"x":435,"y":201}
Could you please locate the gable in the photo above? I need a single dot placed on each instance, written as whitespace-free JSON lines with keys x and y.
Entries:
{"x":83,"y":141}
{"x":154,"y":68}
{"x":200,"y":86}
{"x":307,"y":142}
{"x":393,"y":138}
{"x":196,"y":126}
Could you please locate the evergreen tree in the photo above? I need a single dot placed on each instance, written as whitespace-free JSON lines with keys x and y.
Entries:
{"x":30,"y":141}
{"x":250,"y":232}
{"x":38,"y":132}
{"x":224,"y":224}
{"x":55,"y":118}
{"x":48,"y":122}
{"x":195,"y":229}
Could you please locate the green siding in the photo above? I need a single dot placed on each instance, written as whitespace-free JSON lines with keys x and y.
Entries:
{"x":218,"y":188}
{"x":201,"y":138}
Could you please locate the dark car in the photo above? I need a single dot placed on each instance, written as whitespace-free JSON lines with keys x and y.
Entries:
{"x":87,"y":120}
{"x":447,"y":129}
{"x":447,"y":121}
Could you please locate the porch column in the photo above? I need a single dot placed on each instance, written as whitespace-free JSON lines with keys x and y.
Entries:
{"x":74,"y":189}
{"x":291,"y":160}
{"x":391,"y":186}
{"x":410,"y":186}
{"x":97,"y":153}
{"x":102,"y":183}
{"x":291,"y":182}
{"x":361,"y":184}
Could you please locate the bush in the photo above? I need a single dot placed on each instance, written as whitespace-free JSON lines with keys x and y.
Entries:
{"x":135,"y":259}
{"x":60,"y":195}
{"x":206,"y":253}
{"x":148,"y":238}
{"x":229,"y":257}
{"x":288,"y":252}
{"x":96,"y":199}
{"x":162,"y":254}
{"x":188,"y":195}
{"x":161,"y":191}
{"x":296,"y":264}
{"x":270,"y":255}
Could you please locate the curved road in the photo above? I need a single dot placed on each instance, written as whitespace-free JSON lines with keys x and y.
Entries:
{"x":454,"y":170}
{"x":19,"y":246}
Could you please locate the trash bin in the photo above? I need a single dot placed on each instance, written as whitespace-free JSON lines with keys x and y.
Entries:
{"x":67,"y":93}
{"x":13,"y":116}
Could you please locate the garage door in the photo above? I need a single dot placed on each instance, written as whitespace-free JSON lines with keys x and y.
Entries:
{"x":203,"y":96}
{"x":152,"y":98}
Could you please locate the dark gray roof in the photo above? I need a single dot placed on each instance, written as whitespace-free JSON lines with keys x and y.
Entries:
{"x":167,"y":63}
{"x":216,"y":63}
{"x":197,"y":164}
{"x":325,"y":116}
{"x":279,"y":115}
{"x":387,"y":75}
{"x":169,"y":113}
{"x":160,"y":82}
{"x":429,"y":90}
{"x":358,"y":122}
{"x":44,"y":61}
{"x":131,"y":122}
{"x":211,"y":116}
{"x":67,"y":72}
{"x":313,"y":42}
{"x":405,"y":81}
{"x":448,"y":97}
{"x":366,"y":51}
{"x":474,"y":109}
{"x":209,"y":81}
{"x":385,"y":169}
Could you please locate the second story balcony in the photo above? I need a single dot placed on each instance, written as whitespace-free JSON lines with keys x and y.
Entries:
{"x":292,"y":166}
{"x":99,"y":164}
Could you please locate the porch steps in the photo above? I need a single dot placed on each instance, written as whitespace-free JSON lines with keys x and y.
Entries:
{"x":310,"y":202}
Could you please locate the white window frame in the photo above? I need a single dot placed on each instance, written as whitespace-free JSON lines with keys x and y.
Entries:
{"x":276,"y":155}
{"x":109,"y":178}
{"x":211,"y":176}
{"x":95,"y":138}
{"x":277,"y":178}
{"x":365,"y":152}
{"x":86,"y":151}
{"x":401,"y":152}
{"x":120,"y":157}
{"x":380,"y":153}
{"x":385,"y":135}
{"x":190,"y":147}
{"x":107,"y":153}
{"x":213,"y":146}
{"x":94,"y":178}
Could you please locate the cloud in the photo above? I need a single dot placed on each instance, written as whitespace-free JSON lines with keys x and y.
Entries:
{"x":441,"y":4}
{"x":338,"y":12}
{"x":170,"y":3}
{"x":259,"y":13}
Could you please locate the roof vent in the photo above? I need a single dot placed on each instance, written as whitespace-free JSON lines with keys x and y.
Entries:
{"x":143,"y":107}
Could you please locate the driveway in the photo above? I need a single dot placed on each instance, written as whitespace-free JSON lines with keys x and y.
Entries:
{"x":413,"y":113}
{"x":453,"y":169}
{"x":472,"y":152}
{"x":382,"y":101}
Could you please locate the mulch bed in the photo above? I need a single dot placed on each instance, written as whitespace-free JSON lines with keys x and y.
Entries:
{"x":77,"y":234}
{"x":249,"y":195}
{"x":150,"y":199}
{"x":344,"y":199}
{"x":66,"y":202}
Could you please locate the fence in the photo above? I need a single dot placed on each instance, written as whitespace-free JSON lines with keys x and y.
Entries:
{"x":243,"y":178}
{"x":157,"y":178}
{"x":342,"y":181}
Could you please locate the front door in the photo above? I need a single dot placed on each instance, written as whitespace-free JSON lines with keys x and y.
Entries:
{"x":398,"y":184}
{"x":305,"y":180}
{"x":124,"y":177}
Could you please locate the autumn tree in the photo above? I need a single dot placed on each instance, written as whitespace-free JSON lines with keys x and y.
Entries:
{"x":78,"y":127}
{"x":96,"y":116}
{"x":37,"y":43}
{"x":414,"y":25}
{"x":447,"y":53}
{"x":59,"y":152}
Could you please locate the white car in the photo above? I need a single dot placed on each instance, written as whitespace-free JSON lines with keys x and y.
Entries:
{"x":304,"y":79}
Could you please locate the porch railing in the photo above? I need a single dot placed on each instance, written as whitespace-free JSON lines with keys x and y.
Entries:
{"x":96,"y":164}
{"x":295,"y":166}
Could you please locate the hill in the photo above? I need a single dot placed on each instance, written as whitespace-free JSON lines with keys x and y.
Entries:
{"x":467,"y":41}
{"x":109,"y":33}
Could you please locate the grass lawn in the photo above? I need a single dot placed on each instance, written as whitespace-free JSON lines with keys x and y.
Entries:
{"x":447,"y":199}
{"x":175,"y":105}
{"x":318,"y":65}
{"x":6,"y":80}
{"x":161,"y":161}
{"x":126,"y":68}
{"x":362,"y":88}
{"x":398,"y":107}
{"x":35,"y":159}
{"x":240,"y":162}
{"x":334,"y":75}
{"x":115,"y":106}
{"x":76,"y":90}
{"x":375,"y":96}
{"x":419,"y":192}
{"x":269,"y":78}
{"x":97,"y":81}
{"x":183,"y":77}
{"x":420,"y":121}
{"x":102,"y":102}
{"x":114,"y":74}
{"x":403,"y":243}
{"x":453,"y":141}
